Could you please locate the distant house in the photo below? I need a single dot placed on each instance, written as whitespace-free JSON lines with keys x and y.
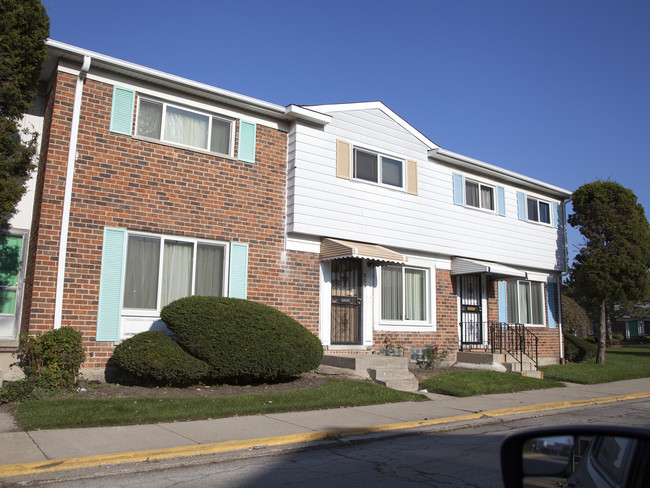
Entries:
{"x":151,"y":187}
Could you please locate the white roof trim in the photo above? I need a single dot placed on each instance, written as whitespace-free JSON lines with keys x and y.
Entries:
{"x":472,"y":164}
{"x":346,"y":107}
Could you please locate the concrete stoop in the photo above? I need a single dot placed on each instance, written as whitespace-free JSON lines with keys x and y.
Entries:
{"x":497,"y":362}
{"x":391,"y":372}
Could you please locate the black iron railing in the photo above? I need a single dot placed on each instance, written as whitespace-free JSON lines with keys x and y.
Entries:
{"x":516,"y":340}
{"x":500,"y":337}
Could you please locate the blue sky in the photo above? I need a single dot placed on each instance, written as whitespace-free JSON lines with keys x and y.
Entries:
{"x":558,"y":90}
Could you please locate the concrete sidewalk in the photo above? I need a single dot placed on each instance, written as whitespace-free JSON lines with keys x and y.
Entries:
{"x":25,"y":453}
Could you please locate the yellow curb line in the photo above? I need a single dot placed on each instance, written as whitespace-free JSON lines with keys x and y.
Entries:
{"x":23,"y":469}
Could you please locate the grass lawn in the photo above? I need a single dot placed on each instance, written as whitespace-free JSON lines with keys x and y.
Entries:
{"x":59,"y":413}
{"x":624,"y":363}
{"x":464,"y":383}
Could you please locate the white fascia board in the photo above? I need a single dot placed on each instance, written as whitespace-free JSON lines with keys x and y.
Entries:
{"x":443,"y":155}
{"x":297,"y":112}
{"x":346,"y":107}
{"x":254,"y":104}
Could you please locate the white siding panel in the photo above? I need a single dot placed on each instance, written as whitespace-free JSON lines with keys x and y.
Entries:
{"x":323,"y":205}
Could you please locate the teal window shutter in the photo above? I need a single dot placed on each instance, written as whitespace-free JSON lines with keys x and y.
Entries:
{"x":109,"y":311}
{"x":556,"y":215}
{"x":238,"y":270}
{"x":247,"y":133}
{"x":502,"y":302}
{"x":521,"y":205}
{"x":501,"y":201}
{"x":458,"y":189}
{"x":122,"y":110}
{"x":552,"y":311}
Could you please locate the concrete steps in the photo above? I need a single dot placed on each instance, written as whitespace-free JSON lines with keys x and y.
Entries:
{"x":391,"y":372}
{"x":497,"y":362}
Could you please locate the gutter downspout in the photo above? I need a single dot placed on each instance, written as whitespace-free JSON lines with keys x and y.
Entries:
{"x":562,"y":274}
{"x":67,"y":196}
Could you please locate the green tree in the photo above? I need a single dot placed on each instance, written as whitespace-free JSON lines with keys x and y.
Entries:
{"x":24,"y":27}
{"x":612,"y":265}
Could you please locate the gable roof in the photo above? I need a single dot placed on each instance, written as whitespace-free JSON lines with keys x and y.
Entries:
{"x":347,"y":107}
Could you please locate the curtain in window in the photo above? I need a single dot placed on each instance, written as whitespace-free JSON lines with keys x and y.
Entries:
{"x":532,"y":210}
{"x":471,"y":194}
{"x":209,"y":270}
{"x":391,"y":293}
{"x":186,"y":128}
{"x":141,"y":280}
{"x":416,"y":290}
{"x":177,"y":271}
{"x":513,"y":314}
{"x":524,"y":303}
{"x":391,"y":171}
{"x":537,"y":297}
{"x":487,"y":197}
{"x":220,"y":137}
{"x":544,"y":213}
{"x":365,"y":166}
{"x":149,"y":119}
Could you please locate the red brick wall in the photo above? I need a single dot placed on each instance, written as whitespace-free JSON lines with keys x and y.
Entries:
{"x":139,"y":185}
{"x":446,"y":334}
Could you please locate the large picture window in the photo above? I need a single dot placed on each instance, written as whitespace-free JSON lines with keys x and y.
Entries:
{"x":404,"y":293}
{"x":377,"y":168}
{"x":168,"y":123}
{"x":525,"y":302}
{"x":160,"y":270}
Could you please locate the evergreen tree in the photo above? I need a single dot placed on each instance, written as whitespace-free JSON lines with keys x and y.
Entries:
{"x":612,"y":265}
{"x":24,"y":27}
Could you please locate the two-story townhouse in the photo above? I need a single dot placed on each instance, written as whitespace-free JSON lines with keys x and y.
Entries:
{"x":418,"y":245}
{"x":151,"y":187}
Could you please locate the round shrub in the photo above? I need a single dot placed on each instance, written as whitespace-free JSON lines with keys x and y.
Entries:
{"x":577,"y":350}
{"x":154,"y":357}
{"x":242,"y":341}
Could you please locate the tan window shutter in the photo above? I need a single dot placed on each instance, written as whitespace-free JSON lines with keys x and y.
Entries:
{"x":343,"y":159}
{"x":412,"y":177}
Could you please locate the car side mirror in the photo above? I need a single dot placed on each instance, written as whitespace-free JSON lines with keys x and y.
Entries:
{"x":577,"y":456}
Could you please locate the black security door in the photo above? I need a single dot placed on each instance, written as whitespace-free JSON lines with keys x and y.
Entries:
{"x":346,"y":301}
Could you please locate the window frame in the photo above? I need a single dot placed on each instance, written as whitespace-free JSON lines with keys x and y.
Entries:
{"x":379,"y":168}
{"x":165,"y":105}
{"x":155,"y":312}
{"x":544,"y":305}
{"x":538,"y":206}
{"x":480,"y":185}
{"x":427,"y":293}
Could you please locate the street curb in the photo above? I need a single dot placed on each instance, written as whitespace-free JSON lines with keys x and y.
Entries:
{"x":24,"y":469}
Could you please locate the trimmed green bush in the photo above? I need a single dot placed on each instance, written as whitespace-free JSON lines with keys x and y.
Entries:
{"x":577,"y":350}
{"x":242,"y":341}
{"x":154,"y":357}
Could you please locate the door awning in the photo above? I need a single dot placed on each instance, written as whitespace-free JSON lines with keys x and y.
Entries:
{"x":340,"y":249}
{"x":460,"y":266}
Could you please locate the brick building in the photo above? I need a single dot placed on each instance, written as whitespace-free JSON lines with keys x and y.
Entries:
{"x":151,"y":187}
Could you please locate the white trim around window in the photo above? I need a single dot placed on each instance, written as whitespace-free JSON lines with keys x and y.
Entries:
{"x":371,"y":166}
{"x":480,"y":195}
{"x":526,"y":302}
{"x":161,"y":268}
{"x":538,"y":210}
{"x":410,"y":307}
{"x":181,"y":126}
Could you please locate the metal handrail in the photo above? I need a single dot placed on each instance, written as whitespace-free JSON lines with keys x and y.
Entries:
{"x":516,"y":340}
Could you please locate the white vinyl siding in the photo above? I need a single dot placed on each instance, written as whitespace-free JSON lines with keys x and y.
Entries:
{"x":322,"y":204}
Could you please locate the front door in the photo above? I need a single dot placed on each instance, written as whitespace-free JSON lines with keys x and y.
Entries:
{"x":470,"y":310}
{"x":347,"y":292}
{"x":11,"y":276}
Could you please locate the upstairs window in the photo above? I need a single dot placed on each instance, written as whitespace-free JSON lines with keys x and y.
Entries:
{"x":479,"y":195}
{"x":377,"y":168}
{"x":538,"y":211}
{"x":176,"y":125}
